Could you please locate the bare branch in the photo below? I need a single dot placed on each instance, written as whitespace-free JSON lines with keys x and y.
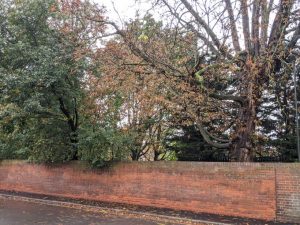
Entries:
{"x":192,"y":28}
{"x":255,"y":26}
{"x":234,"y":34}
{"x":206,"y":27}
{"x":245,"y":19}
{"x":281,"y":21}
{"x":238,"y":99}
{"x":265,"y":15}
{"x":207,"y":137}
{"x":295,"y":38}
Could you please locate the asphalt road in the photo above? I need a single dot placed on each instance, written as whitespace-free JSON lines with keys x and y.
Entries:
{"x":15,"y":212}
{"x":18,"y":210}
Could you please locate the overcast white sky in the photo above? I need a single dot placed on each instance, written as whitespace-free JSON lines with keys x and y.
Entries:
{"x":126,"y":8}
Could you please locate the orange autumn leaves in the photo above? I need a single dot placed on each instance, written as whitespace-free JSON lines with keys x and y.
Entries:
{"x":121,"y":74}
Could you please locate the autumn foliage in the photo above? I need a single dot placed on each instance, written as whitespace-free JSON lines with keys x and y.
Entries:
{"x":76,"y":85}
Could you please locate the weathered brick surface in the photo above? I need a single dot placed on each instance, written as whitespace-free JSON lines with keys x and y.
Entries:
{"x":288,"y":193}
{"x":234,"y":189}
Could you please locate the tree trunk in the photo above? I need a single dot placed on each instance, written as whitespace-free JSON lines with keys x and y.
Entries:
{"x":242,"y":148}
{"x":72,"y":121}
{"x":156,"y":155}
{"x":135,"y":155}
{"x":74,"y":143}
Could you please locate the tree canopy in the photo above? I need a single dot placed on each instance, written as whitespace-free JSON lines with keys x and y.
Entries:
{"x":208,"y":79}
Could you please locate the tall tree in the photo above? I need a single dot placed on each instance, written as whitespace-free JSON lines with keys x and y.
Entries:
{"x":43,"y":57}
{"x":125,"y":94}
{"x":244,"y":48}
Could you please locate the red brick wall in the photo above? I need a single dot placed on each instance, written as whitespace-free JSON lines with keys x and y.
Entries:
{"x":288,"y":193}
{"x":234,"y":189}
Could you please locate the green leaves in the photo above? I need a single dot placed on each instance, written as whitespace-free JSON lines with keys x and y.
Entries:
{"x":100,"y":145}
{"x":143,"y":37}
{"x":37,"y":68}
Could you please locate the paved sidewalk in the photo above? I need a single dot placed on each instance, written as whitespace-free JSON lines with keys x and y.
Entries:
{"x":44,"y":209}
{"x":19,"y":212}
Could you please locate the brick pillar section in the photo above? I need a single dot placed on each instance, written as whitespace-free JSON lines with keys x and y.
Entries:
{"x":288,"y":193}
{"x":232,"y":189}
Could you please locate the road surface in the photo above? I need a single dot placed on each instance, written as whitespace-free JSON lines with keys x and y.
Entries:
{"x":15,"y":212}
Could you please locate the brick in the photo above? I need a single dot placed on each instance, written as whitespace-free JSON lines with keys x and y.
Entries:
{"x":233,"y":189}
